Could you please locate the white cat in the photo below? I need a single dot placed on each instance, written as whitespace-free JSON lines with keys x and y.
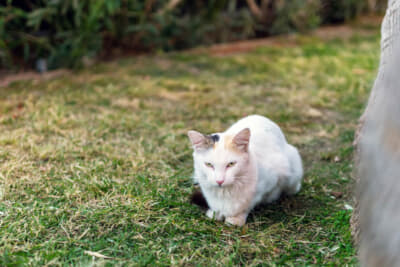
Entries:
{"x":248,"y":164}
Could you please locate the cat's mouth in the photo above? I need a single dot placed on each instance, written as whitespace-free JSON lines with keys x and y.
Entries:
{"x":224,"y":185}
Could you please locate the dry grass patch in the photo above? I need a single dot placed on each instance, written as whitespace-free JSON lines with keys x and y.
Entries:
{"x":97,"y":160}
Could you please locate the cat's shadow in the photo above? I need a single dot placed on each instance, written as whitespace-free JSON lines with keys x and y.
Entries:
{"x":285,"y":209}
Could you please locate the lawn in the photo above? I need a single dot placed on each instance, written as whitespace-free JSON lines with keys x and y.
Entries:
{"x":98,"y":161}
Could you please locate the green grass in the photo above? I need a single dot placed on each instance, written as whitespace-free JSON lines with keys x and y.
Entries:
{"x":98,"y":160}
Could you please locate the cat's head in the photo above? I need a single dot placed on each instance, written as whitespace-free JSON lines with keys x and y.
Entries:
{"x":222,"y":158}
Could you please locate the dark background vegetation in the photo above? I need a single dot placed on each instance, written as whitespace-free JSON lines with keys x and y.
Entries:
{"x":70,"y":33}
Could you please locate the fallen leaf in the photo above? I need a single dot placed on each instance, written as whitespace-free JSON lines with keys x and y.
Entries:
{"x":96,"y":254}
{"x":20,"y":105}
{"x":359,"y":71}
{"x":126,"y":103}
{"x":315,"y":113}
{"x":244,"y":230}
{"x":174,"y":96}
{"x":314,"y":260}
{"x":348,"y":207}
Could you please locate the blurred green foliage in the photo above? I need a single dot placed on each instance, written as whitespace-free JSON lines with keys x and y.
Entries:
{"x":67,"y":33}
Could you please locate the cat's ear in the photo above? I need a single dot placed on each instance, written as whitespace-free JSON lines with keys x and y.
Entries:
{"x":199,"y":140}
{"x":242,"y":139}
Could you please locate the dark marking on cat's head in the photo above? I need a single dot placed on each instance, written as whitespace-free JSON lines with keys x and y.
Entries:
{"x":215,"y":137}
{"x":212,"y":139}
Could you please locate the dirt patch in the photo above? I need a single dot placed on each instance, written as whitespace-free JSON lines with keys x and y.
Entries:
{"x":342,"y":32}
{"x":324,"y":33}
{"x":361,"y":27}
{"x":245,"y":46}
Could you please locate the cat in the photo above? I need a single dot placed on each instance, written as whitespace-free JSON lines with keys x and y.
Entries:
{"x":248,"y":164}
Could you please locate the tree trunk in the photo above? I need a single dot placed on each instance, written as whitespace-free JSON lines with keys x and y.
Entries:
{"x":264,"y":12}
{"x":371,"y":6}
{"x":376,"y":219}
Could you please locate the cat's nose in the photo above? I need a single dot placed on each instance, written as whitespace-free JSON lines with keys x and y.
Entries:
{"x":220,"y":182}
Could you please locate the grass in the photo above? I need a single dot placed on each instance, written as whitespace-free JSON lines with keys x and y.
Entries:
{"x":98,"y":160}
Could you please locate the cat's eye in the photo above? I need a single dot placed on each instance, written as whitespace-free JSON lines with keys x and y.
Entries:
{"x":209,"y":165}
{"x":231,"y":164}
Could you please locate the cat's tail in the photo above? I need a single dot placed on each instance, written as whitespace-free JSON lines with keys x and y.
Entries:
{"x":198,"y":199}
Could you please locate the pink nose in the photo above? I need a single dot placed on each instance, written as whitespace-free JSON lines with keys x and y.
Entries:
{"x":220,"y":182}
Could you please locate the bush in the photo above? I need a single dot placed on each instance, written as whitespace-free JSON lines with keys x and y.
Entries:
{"x":334,"y":11}
{"x":295,"y":15}
{"x":64,"y":33}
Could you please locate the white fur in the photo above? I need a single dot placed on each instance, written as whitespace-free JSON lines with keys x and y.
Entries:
{"x":267,"y":168}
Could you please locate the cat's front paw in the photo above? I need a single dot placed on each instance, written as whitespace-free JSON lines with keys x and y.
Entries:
{"x":238,"y":220}
{"x":214,"y":215}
